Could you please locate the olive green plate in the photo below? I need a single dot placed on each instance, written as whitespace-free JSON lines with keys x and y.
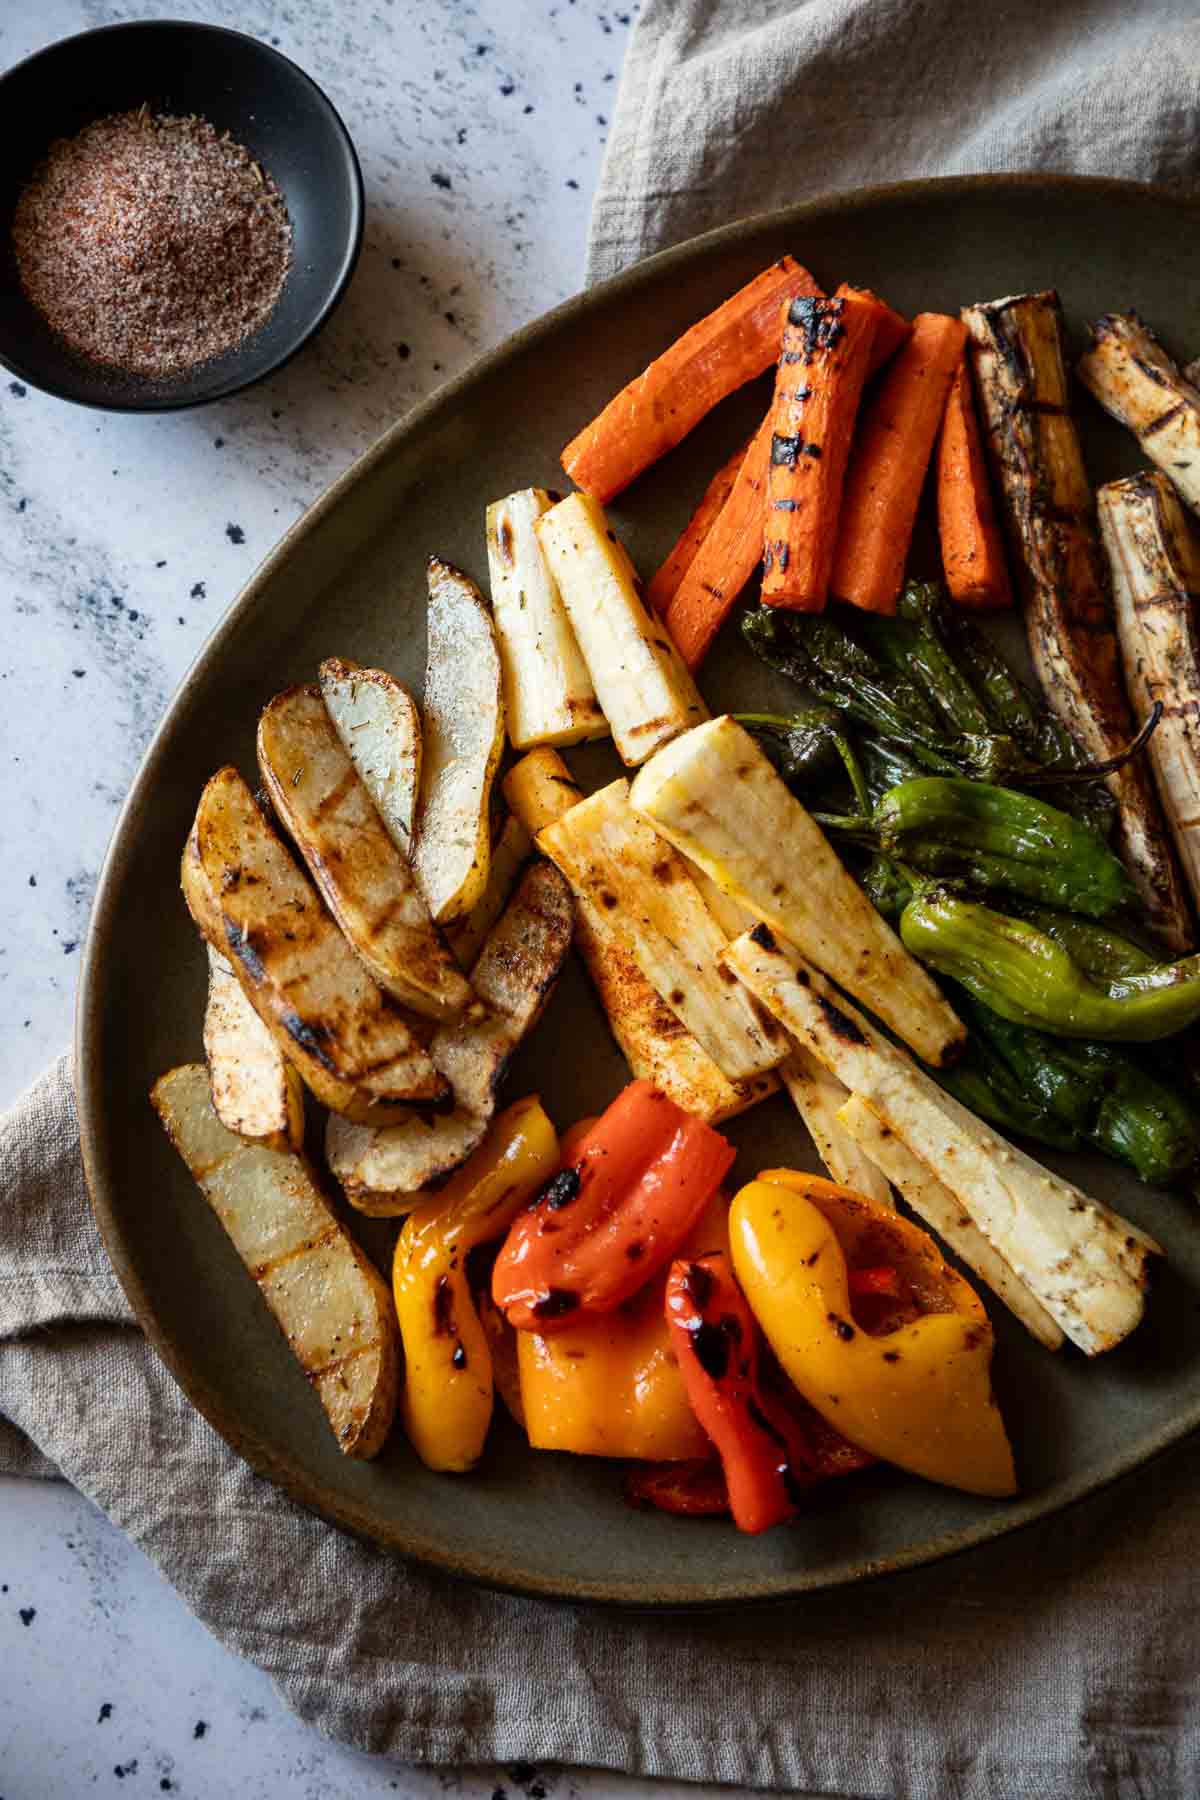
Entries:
{"x":349,"y":579}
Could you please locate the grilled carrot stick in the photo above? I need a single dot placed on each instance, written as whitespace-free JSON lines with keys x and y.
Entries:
{"x":972,"y":546}
{"x":891,"y":451}
{"x":826,"y":348}
{"x":661,"y":589}
{"x":726,"y":559}
{"x":655,"y":411}
{"x":891,"y":328}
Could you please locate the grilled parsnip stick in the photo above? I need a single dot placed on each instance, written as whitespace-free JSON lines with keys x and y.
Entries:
{"x":819,"y":1097}
{"x":548,"y":693}
{"x":1017,"y":354}
{"x":715,"y":796}
{"x":610,"y":854}
{"x":932,"y":1201}
{"x":1154,"y":556}
{"x":639,"y":676}
{"x":1134,"y":379}
{"x":651,"y":1038}
{"x":367,"y":883}
{"x":1084,"y":1264}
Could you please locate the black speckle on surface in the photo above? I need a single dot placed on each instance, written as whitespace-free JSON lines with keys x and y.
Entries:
{"x":79,"y":674}
{"x":199,"y":1728}
{"x":396,"y":264}
{"x":450,"y":318}
{"x":523,"y":1773}
{"x":198,"y":591}
{"x":162,"y":564}
{"x":165,"y":1785}
{"x":437,"y":368}
{"x":235,"y":534}
{"x":32,"y":883}
{"x":27,"y":1614}
{"x":121,"y":1770}
{"x":481,"y":49}
{"x":218,"y":443}
{"x":17,"y":389}
{"x":70,"y":945}
{"x":104,"y":1713}
{"x":460,"y":136}
{"x":528,"y":109}
{"x":571,"y":183}
{"x":441,"y":181}
{"x":403,"y":351}
{"x":507,"y":88}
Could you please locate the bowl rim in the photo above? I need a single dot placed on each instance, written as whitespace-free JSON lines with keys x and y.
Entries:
{"x":238,"y":384}
{"x":465,"y":1563}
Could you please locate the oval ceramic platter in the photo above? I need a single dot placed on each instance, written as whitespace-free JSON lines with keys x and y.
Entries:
{"x":349,"y":579}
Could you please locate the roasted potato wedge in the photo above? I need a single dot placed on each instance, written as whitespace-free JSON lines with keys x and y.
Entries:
{"x":384,"y":1171}
{"x":464,"y":738}
{"x":256,"y":1092}
{"x":511,"y":850}
{"x":366,"y":882}
{"x":377,"y":720}
{"x":330,"y":1303}
{"x":253,"y":902}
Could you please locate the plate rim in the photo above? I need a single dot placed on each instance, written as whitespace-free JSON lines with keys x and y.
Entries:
{"x":283,"y":1471}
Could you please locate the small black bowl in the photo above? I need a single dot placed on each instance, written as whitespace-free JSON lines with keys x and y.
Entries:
{"x":239,"y":85}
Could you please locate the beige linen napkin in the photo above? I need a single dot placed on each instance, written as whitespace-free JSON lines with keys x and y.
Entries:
{"x":1060,"y":1663}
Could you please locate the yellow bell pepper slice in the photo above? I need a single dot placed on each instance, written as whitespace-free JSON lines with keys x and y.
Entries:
{"x":919,"y":1396}
{"x":448,"y":1393}
{"x":610,"y":1385}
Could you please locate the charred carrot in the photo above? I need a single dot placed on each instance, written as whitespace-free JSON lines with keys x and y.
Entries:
{"x":891,"y":328}
{"x":825,"y":351}
{"x":972,"y":546}
{"x":726,"y":559}
{"x":662,"y":588}
{"x":891,"y":452}
{"x":722,"y":351}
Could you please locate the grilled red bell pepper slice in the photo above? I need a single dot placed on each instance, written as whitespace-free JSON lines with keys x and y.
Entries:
{"x":762,"y":1444}
{"x":636,"y":1184}
{"x":693,"y":1490}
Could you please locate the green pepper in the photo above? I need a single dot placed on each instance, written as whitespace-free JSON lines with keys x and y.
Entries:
{"x":1002,"y":840}
{"x":1099,"y":1091}
{"x":888,"y":890}
{"x":1022,"y":974}
{"x":982,"y":1081}
{"x":1097,"y":948}
{"x":807,"y":742}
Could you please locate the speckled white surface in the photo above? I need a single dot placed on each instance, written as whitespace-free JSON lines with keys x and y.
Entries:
{"x":480,"y":125}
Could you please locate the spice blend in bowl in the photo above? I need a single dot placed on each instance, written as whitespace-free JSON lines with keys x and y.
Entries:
{"x":151,"y":243}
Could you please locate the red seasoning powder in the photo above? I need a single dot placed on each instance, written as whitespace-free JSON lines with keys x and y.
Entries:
{"x":150,"y":243}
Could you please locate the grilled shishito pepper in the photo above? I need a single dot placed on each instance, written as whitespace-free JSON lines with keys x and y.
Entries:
{"x":448,"y":1389}
{"x":919,"y":1394}
{"x":1099,"y":1092}
{"x":1007,"y":840}
{"x":1024,"y":975}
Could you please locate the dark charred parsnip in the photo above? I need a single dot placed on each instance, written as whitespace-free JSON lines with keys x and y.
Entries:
{"x":1133,"y":378}
{"x":1016,"y":347}
{"x":1154,"y":557}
